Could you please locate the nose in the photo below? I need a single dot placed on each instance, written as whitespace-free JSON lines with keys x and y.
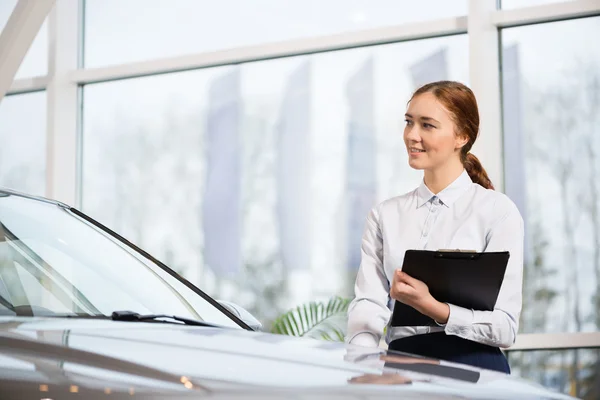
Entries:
{"x":411,"y":134}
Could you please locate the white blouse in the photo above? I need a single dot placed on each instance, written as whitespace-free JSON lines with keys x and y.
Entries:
{"x":463,"y":216}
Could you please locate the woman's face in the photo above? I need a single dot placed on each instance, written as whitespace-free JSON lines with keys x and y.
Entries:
{"x":429,"y":134}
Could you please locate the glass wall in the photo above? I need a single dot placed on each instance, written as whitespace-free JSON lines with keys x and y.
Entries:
{"x":136,"y":30}
{"x":551,"y":85}
{"x":576,"y":372}
{"x":23,"y":142}
{"x":551,"y":101}
{"x":254,"y":181}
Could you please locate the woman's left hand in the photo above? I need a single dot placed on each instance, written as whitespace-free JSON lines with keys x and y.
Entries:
{"x":415,"y":293}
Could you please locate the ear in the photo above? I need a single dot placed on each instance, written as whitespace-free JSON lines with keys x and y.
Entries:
{"x":460,"y":141}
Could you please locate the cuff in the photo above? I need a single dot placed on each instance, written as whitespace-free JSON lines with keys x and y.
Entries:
{"x":365,"y":339}
{"x":459,"y":318}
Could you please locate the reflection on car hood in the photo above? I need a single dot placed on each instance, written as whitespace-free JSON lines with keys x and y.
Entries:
{"x":55,"y":358}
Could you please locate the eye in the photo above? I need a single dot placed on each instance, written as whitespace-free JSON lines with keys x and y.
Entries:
{"x":409,"y":122}
{"x":428,"y":126}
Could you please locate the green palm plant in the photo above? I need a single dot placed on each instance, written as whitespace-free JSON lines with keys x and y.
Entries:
{"x":318,"y":320}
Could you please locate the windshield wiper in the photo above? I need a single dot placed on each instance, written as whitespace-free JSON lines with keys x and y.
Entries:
{"x":130,"y":316}
{"x":136,"y":317}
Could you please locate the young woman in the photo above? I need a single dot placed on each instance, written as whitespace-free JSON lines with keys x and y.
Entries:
{"x":455,"y":207}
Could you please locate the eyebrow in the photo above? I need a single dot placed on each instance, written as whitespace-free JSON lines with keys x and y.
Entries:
{"x":423,"y":118}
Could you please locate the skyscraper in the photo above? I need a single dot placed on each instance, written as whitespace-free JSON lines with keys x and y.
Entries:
{"x":514,"y":142}
{"x":430,"y":69}
{"x":221,"y":211}
{"x":361,"y":179}
{"x":293,"y":169}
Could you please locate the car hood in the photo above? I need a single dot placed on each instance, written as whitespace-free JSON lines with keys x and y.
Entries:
{"x":61,"y":358}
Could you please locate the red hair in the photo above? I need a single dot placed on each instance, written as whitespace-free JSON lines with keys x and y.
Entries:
{"x":460,"y":102}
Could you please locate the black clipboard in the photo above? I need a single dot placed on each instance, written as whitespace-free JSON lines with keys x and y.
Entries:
{"x":466,"y":279}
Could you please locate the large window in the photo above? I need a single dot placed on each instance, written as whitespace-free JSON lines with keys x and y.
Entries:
{"x":551,"y":101}
{"x":36,"y":60}
{"x":23,"y":142}
{"x":551,"y":91}
{"x":255,"y":180}
{"x":136,"y":30}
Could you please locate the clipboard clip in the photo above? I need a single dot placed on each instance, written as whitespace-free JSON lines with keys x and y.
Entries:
{"x":457,"y":253}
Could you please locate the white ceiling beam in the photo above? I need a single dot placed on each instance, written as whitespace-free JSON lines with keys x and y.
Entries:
{"x":18,"y":35}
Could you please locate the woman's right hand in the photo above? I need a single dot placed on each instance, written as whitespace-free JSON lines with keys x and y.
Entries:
{"x":415,"y":293}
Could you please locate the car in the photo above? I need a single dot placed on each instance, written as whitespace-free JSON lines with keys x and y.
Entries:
{"x":84,"y":313}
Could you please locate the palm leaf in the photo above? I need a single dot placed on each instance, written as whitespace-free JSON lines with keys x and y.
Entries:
{"x":318,"y":320}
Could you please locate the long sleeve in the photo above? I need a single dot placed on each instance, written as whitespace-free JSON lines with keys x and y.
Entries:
{"x":368,"y":313}
{"x":499,"y":327}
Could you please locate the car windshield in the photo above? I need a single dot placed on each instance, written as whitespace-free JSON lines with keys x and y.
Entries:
{"x":54,"y":263}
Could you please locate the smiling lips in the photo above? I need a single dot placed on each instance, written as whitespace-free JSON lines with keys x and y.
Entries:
{"x":414,"y":150}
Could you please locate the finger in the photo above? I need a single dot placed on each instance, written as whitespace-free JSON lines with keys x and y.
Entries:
{"x":404,"y":277}
{"x":400,"y":276}
{"x":401,"y":289}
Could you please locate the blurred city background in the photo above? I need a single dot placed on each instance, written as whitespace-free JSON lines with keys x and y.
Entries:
{"x":253,"y":179}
